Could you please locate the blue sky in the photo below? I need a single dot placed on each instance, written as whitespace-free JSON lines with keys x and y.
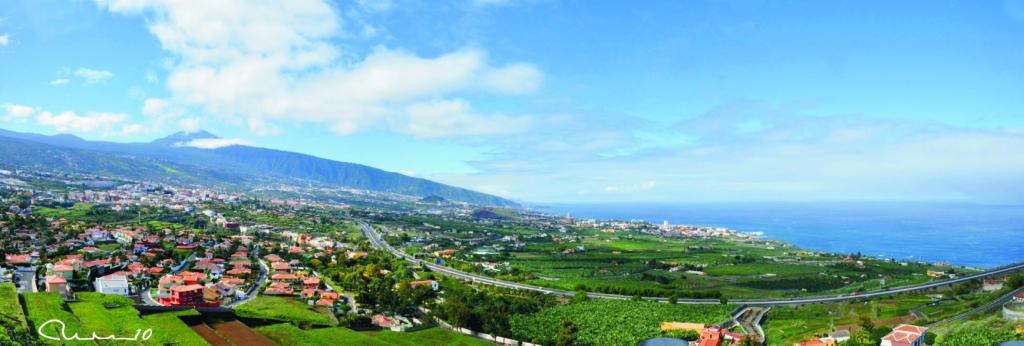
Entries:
{"x":554,"y":101}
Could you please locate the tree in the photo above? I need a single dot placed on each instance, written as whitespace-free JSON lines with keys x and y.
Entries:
{"x":580,"y":296}
{"x":929,"y":338}
{"x":866,"y":324}
{"x":723,"y":300}
{"x":566,"y":333}
{"x":458,"y":314}
{"x":674,"y":298}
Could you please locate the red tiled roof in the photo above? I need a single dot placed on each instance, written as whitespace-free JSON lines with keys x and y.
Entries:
{"x":187,"y":288}
{"x":420,"y":282}
{"x":905,"y":333}
{"x":63,"y":268}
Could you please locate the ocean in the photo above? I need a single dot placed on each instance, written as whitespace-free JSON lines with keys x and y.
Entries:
{"x":983,"y":236}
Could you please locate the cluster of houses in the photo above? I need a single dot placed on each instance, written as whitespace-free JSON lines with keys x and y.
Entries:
{"x":288,"y":279}
{"x":709,"y":335}
{"x":901,"y":335}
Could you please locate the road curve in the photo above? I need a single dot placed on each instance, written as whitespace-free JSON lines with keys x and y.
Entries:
{"x":375,"y":240}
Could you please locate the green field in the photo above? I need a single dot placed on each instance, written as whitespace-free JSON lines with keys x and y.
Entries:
{"x":283,"y":309}
{"x":287,"y":334}
{"x":613,"y":322}
{"x":10,"y":310}
{"x":107,"y":315}
{"x":42,"y":307}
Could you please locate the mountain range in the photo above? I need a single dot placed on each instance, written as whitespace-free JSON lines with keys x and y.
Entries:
{"x":177,"y":158}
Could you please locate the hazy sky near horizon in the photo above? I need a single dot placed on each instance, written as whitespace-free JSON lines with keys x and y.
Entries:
{"x":554,"y":101}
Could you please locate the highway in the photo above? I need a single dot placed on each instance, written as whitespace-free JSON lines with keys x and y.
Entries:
{"x":377,"y":242}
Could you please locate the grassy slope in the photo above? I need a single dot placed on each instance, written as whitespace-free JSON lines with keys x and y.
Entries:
{"x":10,"y":309}
{"x":282,"y":308}
{"x":90,"y":315}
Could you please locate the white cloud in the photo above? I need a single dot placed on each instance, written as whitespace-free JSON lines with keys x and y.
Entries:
{"x":190,"y":125}
{"x":513,"y":79}
{"x":71,"y":122}
{"x":134,"y":129}
{"x":274,"y":61}
{"x":91,"y":75}
{"x":59,"y":82}
{"x":154,"y":107}
{"x":18,"y":112}
{"x":212,"y":143}
{"x":5,"y":39}
{"x":438,"y":118}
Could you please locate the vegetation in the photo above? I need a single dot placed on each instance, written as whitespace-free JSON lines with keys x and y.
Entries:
{"x":286,"y":334}
{"x":985,"y":332}
{"x":106,"y":315}
{"x":13,"y":325}
{"x":611,"y":322}
{"x":282,"y":309}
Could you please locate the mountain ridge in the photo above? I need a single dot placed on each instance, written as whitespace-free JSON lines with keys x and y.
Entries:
{"x":235,"y":164}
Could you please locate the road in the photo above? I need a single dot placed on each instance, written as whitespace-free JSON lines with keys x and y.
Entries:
{"x":26,"y":279}
{"x":375,"y":240}
{"x":254,"y":290}
{"x":750,"y":319}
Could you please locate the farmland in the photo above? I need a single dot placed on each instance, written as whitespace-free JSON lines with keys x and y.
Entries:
{"x":634,"y":262}
{"x":613,"y":322}
{"x":287,"y":334}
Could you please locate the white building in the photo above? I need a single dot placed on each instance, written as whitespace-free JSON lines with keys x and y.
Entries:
{"x":112,"y":284}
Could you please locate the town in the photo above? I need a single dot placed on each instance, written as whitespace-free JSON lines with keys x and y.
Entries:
{"x":309,"y":264}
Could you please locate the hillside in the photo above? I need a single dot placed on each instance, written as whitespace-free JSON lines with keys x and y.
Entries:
{"x":166,"y":159}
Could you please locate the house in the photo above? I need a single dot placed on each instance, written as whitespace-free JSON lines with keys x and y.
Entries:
{"x":842,"y":335}
{"x":992,"y":285}
{"x":284,"y":277}
{"x":935,"y":273}
{"x":431,"y":283}
{"x":192,"y":278}
{"x":57,"y":283}
{"x":281,"y":267}
{"x":112,"y":284}
{"x":63,"y":270}
{"x":711,"y":336}
{"x":905,"y":335}
{"x":18,"y":259}
{"x":312,"y":282}
{"x":166,"y":283}
{"x":190,"y":295}
{"x":826,"y":341}
{"x":1019,"y":297}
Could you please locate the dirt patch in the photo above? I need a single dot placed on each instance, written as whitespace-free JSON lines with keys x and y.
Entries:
{"x":240,"y":334}
{"x":209,"y":335}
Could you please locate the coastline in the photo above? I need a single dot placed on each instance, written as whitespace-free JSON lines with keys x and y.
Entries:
{"x":976,"y":236}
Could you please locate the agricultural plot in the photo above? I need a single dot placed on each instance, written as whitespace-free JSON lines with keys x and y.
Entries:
{"x":287,"y":334}
{"x":283,"y":309}
{"x":613,"y":322}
